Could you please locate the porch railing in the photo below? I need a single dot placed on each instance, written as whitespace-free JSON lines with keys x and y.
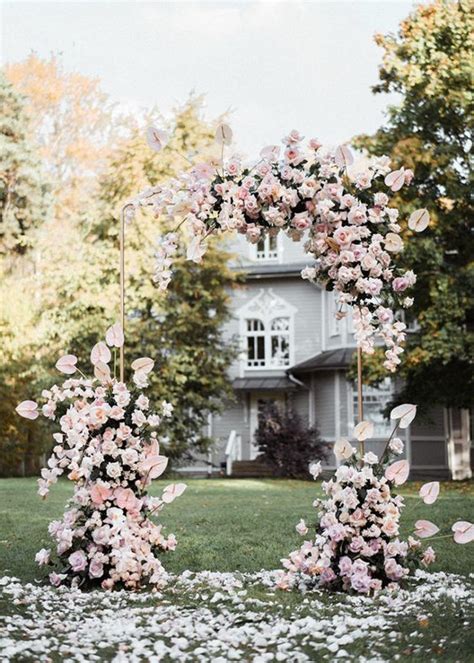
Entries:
{"x":233,"y":451}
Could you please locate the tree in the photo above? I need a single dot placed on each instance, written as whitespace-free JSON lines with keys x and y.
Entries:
{"x":428,"y":63}
{"x":72,"y":121}
{"x":286,"y":444}
{"x":181,"y":330}
{"x":23,"y":186}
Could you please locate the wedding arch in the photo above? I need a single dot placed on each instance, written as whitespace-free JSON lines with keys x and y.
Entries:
{"x":341,"y":209}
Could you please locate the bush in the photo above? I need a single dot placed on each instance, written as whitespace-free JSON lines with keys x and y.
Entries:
{"x":286,"y":444}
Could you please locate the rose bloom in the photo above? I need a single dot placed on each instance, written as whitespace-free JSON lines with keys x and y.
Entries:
{"x":99,"y":415}
{"x":390,"y":527}
{"x":396,"y":445}
{"x":96,"y":569}
{"x":138,"y":418}
{"x":114,"y":470}
{"x":78,"y":561}
{"x":117,"y":412}
{"x":129,"y":456}
{"x":101,"y":535}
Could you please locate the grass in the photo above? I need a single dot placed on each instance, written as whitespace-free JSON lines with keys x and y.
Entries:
{"x":221,"y":525}
{"x":246,"y":526}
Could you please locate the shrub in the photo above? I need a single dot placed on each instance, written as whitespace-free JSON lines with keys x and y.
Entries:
{"x":286,"y":444}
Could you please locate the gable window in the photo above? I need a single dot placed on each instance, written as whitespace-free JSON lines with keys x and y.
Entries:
{"x":267,"y":248}
{"x":266,"y":324}
{"x":375,"y":401}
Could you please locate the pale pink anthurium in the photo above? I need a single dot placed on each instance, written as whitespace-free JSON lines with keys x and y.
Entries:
{"x":100,"y":353}
{"x":425,"y":529}
{"x":102,"y":371}
{"x":393,"y":243}
{"x":429,"y":492}
{"x":343,"y":156}
{"x":114,"y":336}
{"x":143,"y":365}
{"x":270,"y":153}
{"x":463,"y":531}
{"x":27,"y":410}
{"x":396,"y":179}
{"x":398,"y":472}
{"x":67,"y":364}
{"x":224,"y":134}
{"x":404,"y":414}
{"x":364,"y":430}
{"x":173,"y":491}
{"x":419,"y":220}
{"x":154,"y":466}
{"x":343,"y":449}
{"x":156,"y":138}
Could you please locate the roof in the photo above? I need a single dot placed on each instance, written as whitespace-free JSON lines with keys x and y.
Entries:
{"x":271,"y":270}
{"x":267,"y":384}
{"x":326,"y":361}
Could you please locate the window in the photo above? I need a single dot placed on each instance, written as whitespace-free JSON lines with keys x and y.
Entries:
{"x":255,"y":343}
{"x":268,"y":248}
{"x":280,"y":342}
{"x":268,"y":345}
{"x":266,"y":324}
{"x":375,"y":400}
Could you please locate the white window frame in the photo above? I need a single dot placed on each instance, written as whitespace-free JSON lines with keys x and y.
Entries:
{"x":267,"y":255}
{"x":266,"y":307}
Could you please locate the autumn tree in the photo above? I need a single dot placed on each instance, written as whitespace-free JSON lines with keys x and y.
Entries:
{"x":429,"y":64}
{"x":73,"y":122}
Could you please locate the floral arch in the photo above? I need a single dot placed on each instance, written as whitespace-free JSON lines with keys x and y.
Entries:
{"x":106,"y":442}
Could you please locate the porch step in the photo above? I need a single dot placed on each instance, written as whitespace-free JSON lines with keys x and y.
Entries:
{"x":250,"y":468}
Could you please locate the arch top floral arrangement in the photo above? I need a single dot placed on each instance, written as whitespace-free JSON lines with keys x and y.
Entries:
{"x":340,"y":208}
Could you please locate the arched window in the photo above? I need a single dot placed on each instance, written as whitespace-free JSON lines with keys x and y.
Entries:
{"x":266,"y":324}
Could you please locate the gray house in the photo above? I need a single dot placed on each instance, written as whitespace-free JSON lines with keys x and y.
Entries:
{"x":292,"y":347}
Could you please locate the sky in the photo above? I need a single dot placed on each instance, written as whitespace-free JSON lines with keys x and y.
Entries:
{"x":275,"y":65}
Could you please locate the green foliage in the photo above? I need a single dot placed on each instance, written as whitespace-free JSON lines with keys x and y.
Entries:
{"x":63,"y":295}
{"x":23,"y":189}
{"x":285,"y":442}
{"x":429,"y":63}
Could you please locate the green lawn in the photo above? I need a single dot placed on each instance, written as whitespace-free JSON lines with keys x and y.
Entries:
{"x":245,"y":526}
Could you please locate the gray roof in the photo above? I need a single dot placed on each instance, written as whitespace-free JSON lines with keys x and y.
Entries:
{"x":326,"y":361}
{"x":271,"y":270}
{"x":266,"y":384}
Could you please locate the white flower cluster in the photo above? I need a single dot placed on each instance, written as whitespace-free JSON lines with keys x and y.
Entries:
{"x":107,"y":448}
{"x":316,"y":193}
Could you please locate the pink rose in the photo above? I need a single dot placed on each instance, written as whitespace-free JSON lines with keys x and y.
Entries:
{"x":78,"y":561}
{"x":400,"y":284}
{"x":96,"y":569}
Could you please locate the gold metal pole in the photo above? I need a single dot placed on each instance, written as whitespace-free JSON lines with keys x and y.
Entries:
{"x":360,"y":403}
{"x":122,"y":287}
